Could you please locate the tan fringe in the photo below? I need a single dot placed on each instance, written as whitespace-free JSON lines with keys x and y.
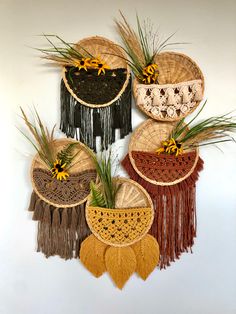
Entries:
{"x":175,"y":223}
{"x":60,"y":230}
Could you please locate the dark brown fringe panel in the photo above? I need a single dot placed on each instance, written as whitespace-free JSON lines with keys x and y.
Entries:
{"x":60,"y":230}
{"x":86,"y":123}
{"x":175,"y":222}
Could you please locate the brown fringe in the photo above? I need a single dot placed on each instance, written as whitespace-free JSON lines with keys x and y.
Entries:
{"x":175,"y":223}
{"x":60,"y":230}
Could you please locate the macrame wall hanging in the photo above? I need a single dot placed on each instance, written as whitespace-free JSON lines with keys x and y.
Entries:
{"x":58,"y":204}
{"x":170,"y":181}
{"x":178,"y":92}
{"x":119,"y":243}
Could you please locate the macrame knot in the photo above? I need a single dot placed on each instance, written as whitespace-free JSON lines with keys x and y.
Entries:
{"x":185,"y":94}
{"x":141,"y":92}
{"x":197,"y":89}
{"x":170,"y":96}
{"x":156,"y":97}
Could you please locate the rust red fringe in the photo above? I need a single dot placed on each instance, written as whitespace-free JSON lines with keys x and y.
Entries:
{"x":175,"y":221}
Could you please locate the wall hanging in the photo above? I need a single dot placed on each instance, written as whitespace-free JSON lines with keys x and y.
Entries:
{"x":60,"y":173}
{"x":119,"y":213}
{"x":167,"y":85}
{"x":163,"y":158}
{"x":95,"y":90}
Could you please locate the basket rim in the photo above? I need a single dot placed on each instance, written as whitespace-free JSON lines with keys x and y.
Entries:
{"x":151,"y":208}
{"x":128,"y":75}
{"x":34,"y":160}
{"x":161,"y":183}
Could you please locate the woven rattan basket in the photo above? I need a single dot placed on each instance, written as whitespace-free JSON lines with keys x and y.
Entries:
{"x":159,"y":169}
{"x":128,"y":222}
{"x":109,"y":52}
{"x":178,"y":92}
{"x":67,"y":193}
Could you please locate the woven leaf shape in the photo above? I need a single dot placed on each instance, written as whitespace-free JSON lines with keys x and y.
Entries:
{"x":120,"y":264}
{"x":147,"y":255}
{"x":119,"y":227}
{"x":92,"y":254}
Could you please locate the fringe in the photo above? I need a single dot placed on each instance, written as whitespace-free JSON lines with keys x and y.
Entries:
{"x":175,"y":222}
{"x":86,"y":123}
{"x":60,"y":230}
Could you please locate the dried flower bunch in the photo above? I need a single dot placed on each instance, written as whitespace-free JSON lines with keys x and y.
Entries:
{"x":142,"y":46}
{"x":58,"y":163}
{"x":66,"y":54}
{"x":207,"y":132}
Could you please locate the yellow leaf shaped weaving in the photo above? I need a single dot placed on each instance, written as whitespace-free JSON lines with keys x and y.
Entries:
{"x":147,"y":255}
{"x":120,"y":264}
{"x":92,"y":253}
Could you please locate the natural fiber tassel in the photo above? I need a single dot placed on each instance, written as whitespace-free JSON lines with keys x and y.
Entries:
{"x":120,"y":264}
{"x":170,"y":96}
{"x":185,"y":94}
{"x":156,"y":97}
{"x":39,"y":210}
{"x":33,"y":200}
{"x":92,"y":254}
{"x":197,"y":88}
{"x":147,"y":255}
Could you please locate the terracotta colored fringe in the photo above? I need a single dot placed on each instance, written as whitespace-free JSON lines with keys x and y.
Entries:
{"x":175,"y":221}
{"x":60,"y":230}
{"x":86,"y":123}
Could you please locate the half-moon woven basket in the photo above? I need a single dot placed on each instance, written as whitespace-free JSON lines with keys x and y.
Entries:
{"x":128,"y":222}
{"x":159,"y":169}
{"x":66,"y":193}
{"x":179,"y":90}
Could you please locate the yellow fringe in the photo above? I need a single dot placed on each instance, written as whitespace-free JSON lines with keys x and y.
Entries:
{"x":92,"y":253}
{"x":120,"y":264}
{"x":147,"y":255}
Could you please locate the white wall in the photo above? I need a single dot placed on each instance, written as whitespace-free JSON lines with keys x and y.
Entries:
{"x":203,"y":282}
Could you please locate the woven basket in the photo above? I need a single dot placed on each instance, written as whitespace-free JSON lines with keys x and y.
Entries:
{"x":178,"y":92}
{"x":160,"y":169}
{"x":128,"y":222}
{"x":109,"y":52}
{"x":67,"y":193}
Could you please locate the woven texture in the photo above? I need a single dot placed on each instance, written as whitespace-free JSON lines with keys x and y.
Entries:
{"x":109,"y":52}
{"x":119,"y":227}
{"x":164,"y":168}
{"x":72,"y":191}
{"x":158,"y":169}
{"x":128,"y":222}
{"x":179,"y":91}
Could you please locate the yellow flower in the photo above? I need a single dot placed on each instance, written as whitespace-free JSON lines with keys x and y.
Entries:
{"x":84,"y":63}
{"x":170,"y":147}
{"x":150,"y":74}
{"x":58,"y":170}
{"x":100,"y":65}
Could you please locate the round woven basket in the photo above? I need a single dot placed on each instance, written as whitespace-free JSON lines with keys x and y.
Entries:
{"x":159,"y":169}
{"x":128,"y":222}
{"x":175,"y":95}
{"x":66,"y":193}
{"x":109,"y":52}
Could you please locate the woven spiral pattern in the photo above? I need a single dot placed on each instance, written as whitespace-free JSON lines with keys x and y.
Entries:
{"x":109,"y":52}
{"x":180,"y":86}
{"x":119,"y":227}
{"x":128,"y":222}
{"x":164,"y":168}
{"x":154,"y":168}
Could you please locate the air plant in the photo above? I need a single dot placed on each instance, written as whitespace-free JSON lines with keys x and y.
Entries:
{"x":43,"y":141}
{"x":207,"y":132}
{"x":142,"y":46}
{"x":103,"y":194}
{"x":72,"y":55}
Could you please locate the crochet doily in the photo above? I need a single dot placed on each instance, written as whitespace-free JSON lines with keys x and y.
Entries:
{"x":169,"y":102}
{"x":164,"y":168}
{"x":68,"y":192}
{"x":119,"y":227}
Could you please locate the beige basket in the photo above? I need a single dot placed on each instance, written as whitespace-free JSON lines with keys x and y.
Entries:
{"x":179,"y":90}
{"x":160,"y":169}
{"x":109,"y":52}
{"x":128,"y":222}
{"x":67,"y":193}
